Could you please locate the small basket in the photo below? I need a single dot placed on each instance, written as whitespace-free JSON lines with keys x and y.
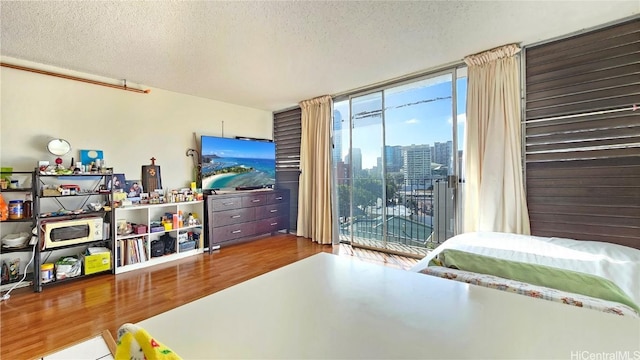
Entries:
{"x":187,"y":245}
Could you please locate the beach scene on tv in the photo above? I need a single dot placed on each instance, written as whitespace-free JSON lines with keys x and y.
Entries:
{"x":232,"y":163}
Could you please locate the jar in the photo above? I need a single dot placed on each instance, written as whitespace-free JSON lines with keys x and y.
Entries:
{"x":46,"y":272}
{"x":15,"y":210}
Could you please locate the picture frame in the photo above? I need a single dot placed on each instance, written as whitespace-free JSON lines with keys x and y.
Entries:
{"x":119,"y":183}
{"x":89,"y":156}
{"x":133,"y":188}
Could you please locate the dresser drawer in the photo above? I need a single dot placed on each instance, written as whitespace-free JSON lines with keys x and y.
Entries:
{"x":219,"y":204}
{"x":272,"y":225}
{"x":272,"y":210}
{"x":278,"y":197}
{"x":231,"y":232}
{"x":254,"y":200}
{"x":235,"y":216}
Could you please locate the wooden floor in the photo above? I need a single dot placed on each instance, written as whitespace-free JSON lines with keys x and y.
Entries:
{"x":34,"y":324}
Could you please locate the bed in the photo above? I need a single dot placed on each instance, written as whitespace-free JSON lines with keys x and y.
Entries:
{"x":588,"y":274}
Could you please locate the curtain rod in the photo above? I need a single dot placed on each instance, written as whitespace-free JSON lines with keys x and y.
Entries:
{"x":69,"y":77}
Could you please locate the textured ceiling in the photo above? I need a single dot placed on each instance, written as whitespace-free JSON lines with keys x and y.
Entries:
{"x":272,"y":54}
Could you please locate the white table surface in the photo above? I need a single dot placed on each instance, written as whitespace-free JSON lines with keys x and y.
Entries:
{"x":93,"y":349}
{"x":330,"y":307}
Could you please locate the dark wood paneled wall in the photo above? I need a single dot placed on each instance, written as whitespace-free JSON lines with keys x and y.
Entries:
{"x":287,"y":133}
{"x":583,"y":135}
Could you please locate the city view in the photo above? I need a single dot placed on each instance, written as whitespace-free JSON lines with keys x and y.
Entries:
{"x":394,"y":153}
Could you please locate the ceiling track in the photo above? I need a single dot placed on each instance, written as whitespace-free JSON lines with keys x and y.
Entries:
{"x":69,"y":77}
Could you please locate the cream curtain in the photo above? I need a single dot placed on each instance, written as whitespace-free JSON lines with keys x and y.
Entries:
{"x":314,"y":198}
{"x":494,"y":197}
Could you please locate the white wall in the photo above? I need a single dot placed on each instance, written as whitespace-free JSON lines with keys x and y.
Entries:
{"x":129,"y":127}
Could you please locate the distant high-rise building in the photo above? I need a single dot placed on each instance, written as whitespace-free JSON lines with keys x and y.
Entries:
{"x":356,"y":160}
{"x":417,"y":164}
{"x":337,"y":137}
{"x":443,"y":154}
{"x":343,"y":173}
{"x":393,"y":158}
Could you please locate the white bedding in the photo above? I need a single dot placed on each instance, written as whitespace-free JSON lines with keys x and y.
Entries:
{"x":617,"y":263}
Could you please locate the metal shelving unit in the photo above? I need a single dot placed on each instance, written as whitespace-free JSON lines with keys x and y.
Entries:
{"x":25,"y":224}
{"x":58,"y":207}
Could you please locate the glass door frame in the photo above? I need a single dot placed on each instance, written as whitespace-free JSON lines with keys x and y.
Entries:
{"x":454,"y":72}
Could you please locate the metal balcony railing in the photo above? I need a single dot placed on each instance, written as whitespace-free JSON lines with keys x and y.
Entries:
{"x":416,"y":216}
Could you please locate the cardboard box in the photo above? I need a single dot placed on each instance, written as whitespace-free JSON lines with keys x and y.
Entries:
{"x":140,"y":228}
{"x":97,"y":263}
{"x":157,"y":228}
{"x":51,"y":192}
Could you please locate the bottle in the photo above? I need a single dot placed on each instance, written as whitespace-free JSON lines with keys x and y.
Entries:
{"x":26,"y":209}
{"x":176,"y":220}
{"x":5,"y":272}
{"x":4,"y":209}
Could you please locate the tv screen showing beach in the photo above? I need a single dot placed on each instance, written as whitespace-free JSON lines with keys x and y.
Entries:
{"x":231,"y":163}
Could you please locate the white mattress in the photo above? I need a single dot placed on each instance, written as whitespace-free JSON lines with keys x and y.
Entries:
{"x":617,"y":263}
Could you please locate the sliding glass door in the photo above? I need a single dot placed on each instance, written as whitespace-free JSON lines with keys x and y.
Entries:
{"x":396,"y":161}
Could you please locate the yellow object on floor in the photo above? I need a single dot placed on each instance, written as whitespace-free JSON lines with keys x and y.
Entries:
{"x":135,"y":343}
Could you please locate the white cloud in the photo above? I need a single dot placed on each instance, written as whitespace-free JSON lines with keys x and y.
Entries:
{"x":462,"y":118}
{"x":412,"y":121}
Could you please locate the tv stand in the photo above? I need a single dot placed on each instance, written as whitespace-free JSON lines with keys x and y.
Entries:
{"x":246,"y":214}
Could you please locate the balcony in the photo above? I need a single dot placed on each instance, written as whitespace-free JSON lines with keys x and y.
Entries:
{"x":416,"y":218}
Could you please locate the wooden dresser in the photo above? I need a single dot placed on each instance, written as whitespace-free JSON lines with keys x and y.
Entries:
{"x":245,"y":214}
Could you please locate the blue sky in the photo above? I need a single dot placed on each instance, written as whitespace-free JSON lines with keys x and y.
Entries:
{"x":418,"y":113}
{"x":229,"y":147}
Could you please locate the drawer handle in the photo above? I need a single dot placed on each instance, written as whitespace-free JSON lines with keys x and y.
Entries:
{"x":272,"y":211}
{"x":279,"y":198}
{"x":229,"y":203}
{"x":235,"y":216}
{"x":236,"y":231}
{"x":274,"y":224}
{"x":255,"y":200}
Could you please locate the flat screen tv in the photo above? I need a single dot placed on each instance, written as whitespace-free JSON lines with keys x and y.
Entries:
{"x":237,"y":163}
